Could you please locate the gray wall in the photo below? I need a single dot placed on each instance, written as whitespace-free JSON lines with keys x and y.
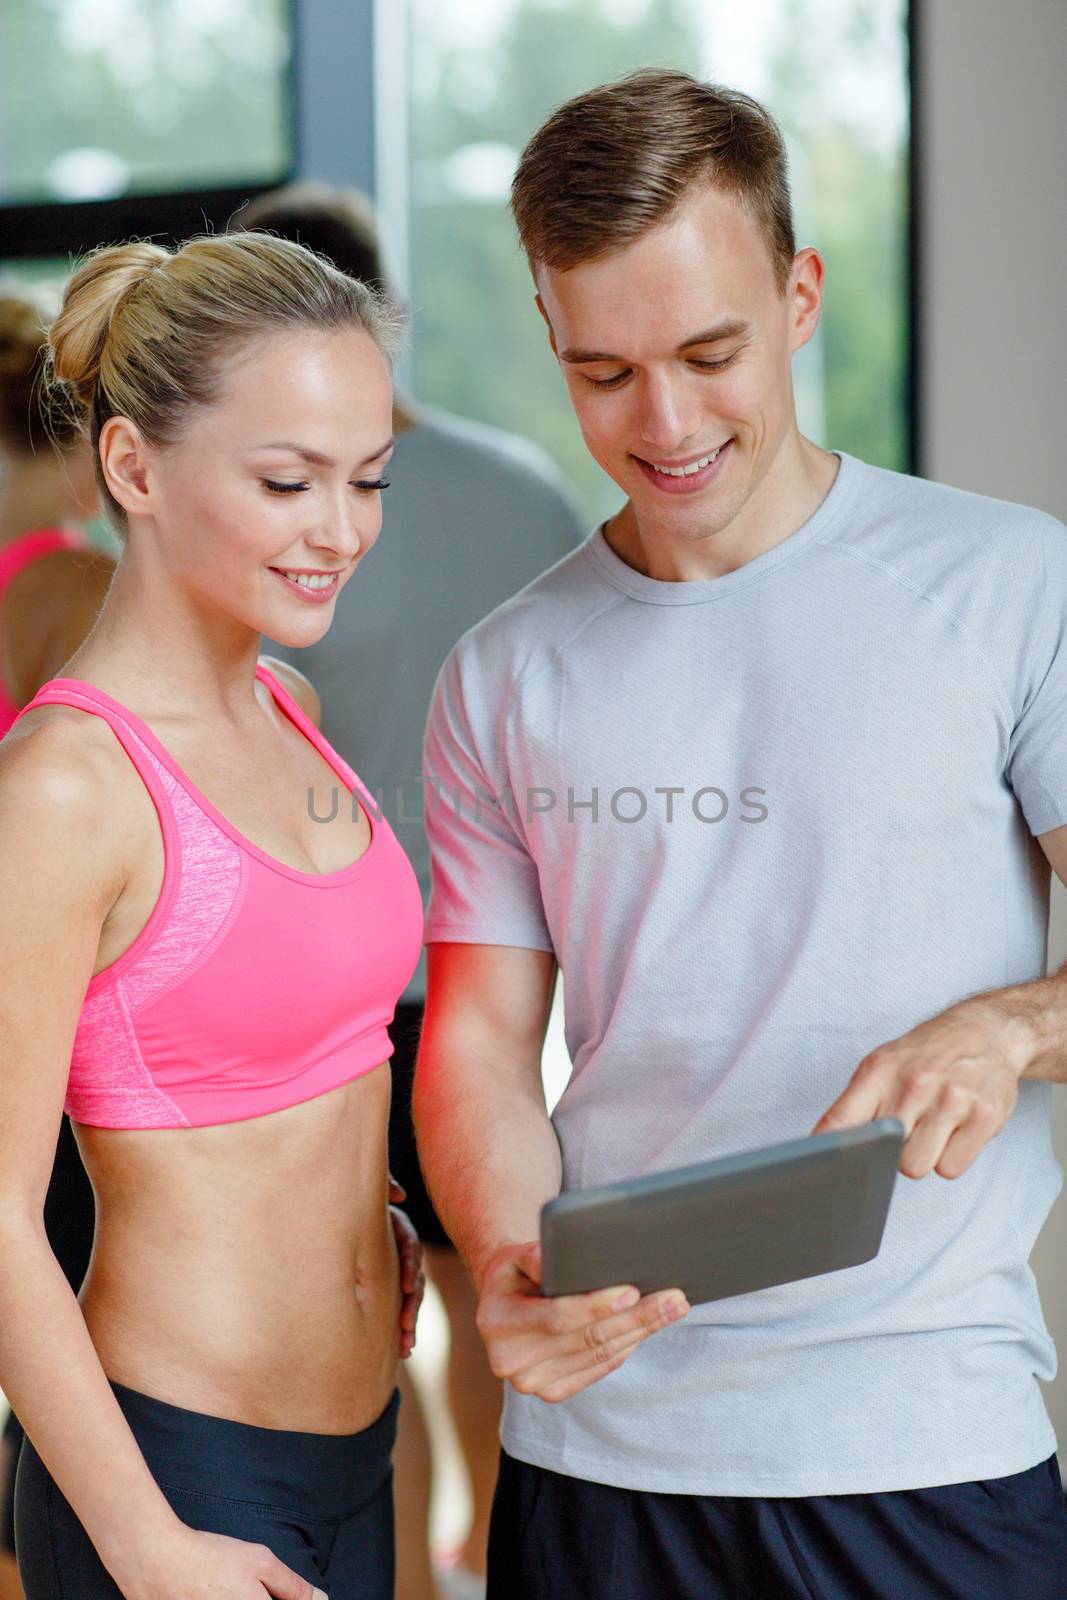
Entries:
{"x":994,"y":318}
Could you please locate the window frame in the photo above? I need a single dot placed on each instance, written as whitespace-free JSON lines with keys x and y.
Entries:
{"x":346,"y":66}
{"x":328,"y":87}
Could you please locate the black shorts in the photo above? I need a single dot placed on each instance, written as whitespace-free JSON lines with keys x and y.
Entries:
{"x":403,"y":1156}
{"x":560,"y":1538}
{"x":69,"y":1219}
{"x":322,"y":1503}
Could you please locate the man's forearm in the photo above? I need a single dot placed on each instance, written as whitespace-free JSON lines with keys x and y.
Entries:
{"x":1037,"y":1013}
{"x":487,"y":1147}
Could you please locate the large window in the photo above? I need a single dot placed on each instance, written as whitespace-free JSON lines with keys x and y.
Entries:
{"x":122,"y":118}
{"x":484,"y":74}
{"x":100,"y":98}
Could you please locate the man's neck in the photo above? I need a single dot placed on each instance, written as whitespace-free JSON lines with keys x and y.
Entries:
{"x":789,"y":493}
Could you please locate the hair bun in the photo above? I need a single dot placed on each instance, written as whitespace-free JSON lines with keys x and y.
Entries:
{"x":94,"y":295}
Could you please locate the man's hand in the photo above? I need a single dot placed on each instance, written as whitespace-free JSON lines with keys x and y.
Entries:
{"x":554,"y":1348}
{"x":412,"y":1277}
{"x":952,"y":1081}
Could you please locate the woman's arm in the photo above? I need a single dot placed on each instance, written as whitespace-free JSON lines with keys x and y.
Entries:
{"x":61,"y":869}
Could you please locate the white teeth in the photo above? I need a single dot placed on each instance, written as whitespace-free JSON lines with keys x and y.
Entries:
{"x":311,"y":580}
{"x":694,"y":466}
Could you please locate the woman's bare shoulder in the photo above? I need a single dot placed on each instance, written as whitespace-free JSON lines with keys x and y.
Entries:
{"x":302,"y":689}
{"x":64,"y":786}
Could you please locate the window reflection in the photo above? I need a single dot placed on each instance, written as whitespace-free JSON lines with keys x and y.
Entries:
{"x":142,"y":96}
{"x":485,"y":73}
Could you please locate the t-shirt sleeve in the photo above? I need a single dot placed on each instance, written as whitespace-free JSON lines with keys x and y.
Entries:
{"x":485,"y":885}
{"x":1037,"y":752}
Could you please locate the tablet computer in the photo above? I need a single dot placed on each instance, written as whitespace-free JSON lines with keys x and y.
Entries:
{"x":732,"y":1225}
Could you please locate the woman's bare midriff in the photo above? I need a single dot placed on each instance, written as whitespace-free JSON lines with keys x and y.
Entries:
{"x":248,"y":1270}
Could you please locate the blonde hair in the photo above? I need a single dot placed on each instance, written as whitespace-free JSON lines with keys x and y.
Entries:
{"x":25,"y":425}
{"x":145,"y":332}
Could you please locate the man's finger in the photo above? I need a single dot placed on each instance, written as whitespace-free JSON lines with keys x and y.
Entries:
{"x":599,"y":1352}
{"x":654,"y":1311}
{"x":539,"y":1379}
{"x":965,"y":1146}
{"x":859,"y":1104}
{"x":528,"y":1261}
{"x":651,"y":1312}
{"x":932,"y":1131}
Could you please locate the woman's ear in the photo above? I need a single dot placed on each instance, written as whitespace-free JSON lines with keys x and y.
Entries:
{"x":124,"y":461}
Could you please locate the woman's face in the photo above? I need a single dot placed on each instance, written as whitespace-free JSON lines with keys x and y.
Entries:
{"x":279,"y":477}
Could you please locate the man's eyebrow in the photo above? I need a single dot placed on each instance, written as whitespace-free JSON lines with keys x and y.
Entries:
{"x":731,"y":328}
{"x":313,"y":456}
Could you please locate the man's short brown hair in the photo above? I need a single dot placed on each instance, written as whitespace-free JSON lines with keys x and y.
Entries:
{"x":616,"y":161}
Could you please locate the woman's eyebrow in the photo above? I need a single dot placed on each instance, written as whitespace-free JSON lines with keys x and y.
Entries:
{"x":314,"y":457}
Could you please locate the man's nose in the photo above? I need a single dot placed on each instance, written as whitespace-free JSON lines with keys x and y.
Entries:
{"x":667,"y":417}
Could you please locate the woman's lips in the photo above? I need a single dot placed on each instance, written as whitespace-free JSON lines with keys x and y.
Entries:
{"x":317,"y":596}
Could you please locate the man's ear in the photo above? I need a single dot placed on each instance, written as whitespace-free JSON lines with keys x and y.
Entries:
{"x":124,"y":460}
{"x":540,"y":304}
{"x":806,"y":290}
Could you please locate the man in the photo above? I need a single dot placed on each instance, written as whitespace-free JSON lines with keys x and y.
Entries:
{"x":761,"y":767}
{"x":472,"y":514}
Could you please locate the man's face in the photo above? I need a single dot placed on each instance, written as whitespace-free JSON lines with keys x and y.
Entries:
{"x":676,"y":347}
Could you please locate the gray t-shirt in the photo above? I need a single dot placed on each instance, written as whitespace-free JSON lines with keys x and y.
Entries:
{"x":818,"y":780}
{"x":470,"y":516}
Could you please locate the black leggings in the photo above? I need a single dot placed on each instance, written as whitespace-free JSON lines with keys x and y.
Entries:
{"x":323,"y":1503}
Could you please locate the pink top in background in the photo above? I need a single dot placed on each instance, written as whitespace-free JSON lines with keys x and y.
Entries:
{"x":14,"y":557}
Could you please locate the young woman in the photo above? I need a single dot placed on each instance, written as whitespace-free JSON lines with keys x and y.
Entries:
{"x":201,"y":971}
{"x":52,"y":585}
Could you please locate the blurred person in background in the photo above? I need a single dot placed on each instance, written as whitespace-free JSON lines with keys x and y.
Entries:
{"x":52,"y":579}
{"x":52,"y":585}
{"x":474,"y":515}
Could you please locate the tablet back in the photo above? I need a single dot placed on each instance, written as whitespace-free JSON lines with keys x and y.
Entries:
{"x":729,"y":1226}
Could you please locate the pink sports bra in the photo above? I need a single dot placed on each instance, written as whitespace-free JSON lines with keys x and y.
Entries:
{"x":253,"y":986}
{"x":23,"y":552}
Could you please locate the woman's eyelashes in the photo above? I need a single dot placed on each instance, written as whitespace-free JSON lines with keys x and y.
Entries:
{"x":368,"y":486}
